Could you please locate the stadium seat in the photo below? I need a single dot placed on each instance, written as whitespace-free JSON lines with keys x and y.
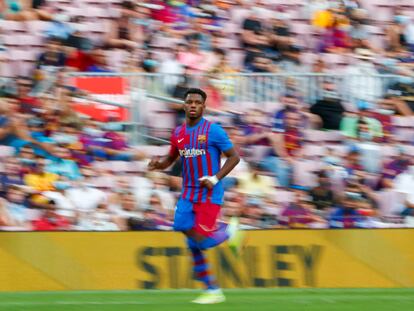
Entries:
{"x":37,"y":27}
{"x":282,"y":196}
{"x":239,"y":15}
{"x":403,"y":121}
{"x":312,"y":150}
{"x":303,"y":172}
{"x":6,"y":151}
{"x":390,"y":202}
{"x":11,"y":27}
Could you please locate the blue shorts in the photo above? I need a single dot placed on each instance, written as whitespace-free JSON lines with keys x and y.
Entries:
{"x":202,"y":217}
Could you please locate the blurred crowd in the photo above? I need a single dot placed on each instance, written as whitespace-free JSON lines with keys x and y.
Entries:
{"x":308,"y":163}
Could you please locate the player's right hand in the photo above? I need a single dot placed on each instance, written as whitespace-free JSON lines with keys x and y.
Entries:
{"x":154,"y":163}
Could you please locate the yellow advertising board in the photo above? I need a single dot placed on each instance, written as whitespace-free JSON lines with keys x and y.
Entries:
{"x":159,"y":260}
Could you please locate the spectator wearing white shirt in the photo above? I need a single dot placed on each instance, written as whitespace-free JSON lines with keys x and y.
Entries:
{"x":85,"y":197}
{"x":404,"y":184}
{"x":362,"y":83}
{"x":172,"y":70}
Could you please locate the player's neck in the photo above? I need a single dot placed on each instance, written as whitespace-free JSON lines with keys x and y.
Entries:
{"x":193,"y":122}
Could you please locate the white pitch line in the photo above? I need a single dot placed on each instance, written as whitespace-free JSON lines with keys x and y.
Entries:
{"x":74,"y":303}
{"x":341,"y":299}
{"x":327,"y":291}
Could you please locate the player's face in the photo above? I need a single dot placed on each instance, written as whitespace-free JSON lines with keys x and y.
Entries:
{"x":194,"y":106}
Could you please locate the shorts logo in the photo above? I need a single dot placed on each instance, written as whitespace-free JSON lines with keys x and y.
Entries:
{"x":202,"y":139}
{"x":206,"y":229}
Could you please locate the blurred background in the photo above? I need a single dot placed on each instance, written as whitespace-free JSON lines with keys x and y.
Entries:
{"x":317,"y":96}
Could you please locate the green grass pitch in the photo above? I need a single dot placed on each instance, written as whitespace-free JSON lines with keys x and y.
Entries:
{"x":237,"y":300}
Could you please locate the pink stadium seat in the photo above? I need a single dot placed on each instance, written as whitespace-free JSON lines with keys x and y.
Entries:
{"x":314,"y":135}
{"x":389,"y":202}
{"x":26,"y":68}
{"x":311,"y":150}
{"x":6,"y":151}
{"x":11,"y":40}
{"x":340,"y":150}
{"x":333,"y":136}
{"x":383,"y":15}
{"x":404,"y":135}
{"x":389,"y":151}
{"x":236,"y":58}
{"x":303,"y":172}
{"x":238,"y":15}
{"x":331,"y":58}
{"x":32,"y":40}
{"x":301,"y":28}
{"x":403,"y":121}
{"x":92,"y":11}
{"x":273,"y":106}
{"x":8,"y":70}
{"x":309,"y":58}
{"x":37,"y":27}
{"x":12,"y":26}
{"x":284,"y":196}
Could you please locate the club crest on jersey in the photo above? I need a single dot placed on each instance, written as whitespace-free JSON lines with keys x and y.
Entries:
{"x":202,"y":139}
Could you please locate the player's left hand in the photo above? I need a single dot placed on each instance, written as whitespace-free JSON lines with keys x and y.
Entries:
{"x":208,"y":181}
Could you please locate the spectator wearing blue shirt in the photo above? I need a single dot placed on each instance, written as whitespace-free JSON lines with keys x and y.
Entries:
{"x":11,"y":175}
{"x":290,"y":103}
{"x":52,"y":56}
{"x":347,"y":215}
{"x":14,"y":132}
{"x":63,"y":165}
{"x":59,"y":28}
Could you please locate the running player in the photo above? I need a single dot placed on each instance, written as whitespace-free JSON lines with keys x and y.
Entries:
{"x":200,"y":144}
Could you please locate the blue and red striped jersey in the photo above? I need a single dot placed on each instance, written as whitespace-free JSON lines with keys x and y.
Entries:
{"x":200,"y":148}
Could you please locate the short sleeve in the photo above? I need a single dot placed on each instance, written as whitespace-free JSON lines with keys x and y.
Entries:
{"x":219,"y":138}
{"x":173,"y":145}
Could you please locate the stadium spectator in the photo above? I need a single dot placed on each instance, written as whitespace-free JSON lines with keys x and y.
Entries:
{"x":40,"y":115}
{"x":13,"y":209}
{"x":49,"y":220}
{"x":255,"y":182}
{"x":287,"y":146}
{"x":59,"y":27}
{"x":12,"y":174}
{"x":322,"y":195}
{"x":38,"y":179}
{"x":346,"y":215}
{"x":99,"y":61}
{"x":100,"y":220}
{"x":193,"y":58}
{"x":394,"y":168}
{"x":281,"y":38}
{"x":362,"y":125}
{"x":124,"y":32}
{"x":26,"y":101}
{"x":80,"y":190}
{"x":300,"y":213}
{"x":172,"y":69}
{"x":127,"y":210}
{"x":404,"y":185}
{"x":368,"y":87}
{"x":63,"y":165}
{"x":329,"y":108}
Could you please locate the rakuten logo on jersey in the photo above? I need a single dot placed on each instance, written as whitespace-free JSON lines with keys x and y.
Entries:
{"x":189,"y":153}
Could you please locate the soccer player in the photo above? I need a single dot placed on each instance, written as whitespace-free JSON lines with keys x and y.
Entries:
{"x":200,"y":144}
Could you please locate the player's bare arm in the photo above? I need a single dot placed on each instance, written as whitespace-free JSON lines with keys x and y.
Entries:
{"x":162,"y":163}
{"x":233,"y":159}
